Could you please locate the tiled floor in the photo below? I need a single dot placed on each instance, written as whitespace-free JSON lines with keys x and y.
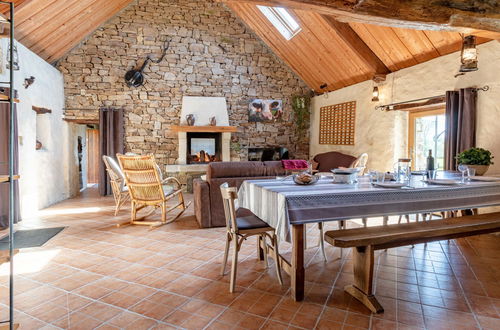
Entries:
{"x":95,"y":275}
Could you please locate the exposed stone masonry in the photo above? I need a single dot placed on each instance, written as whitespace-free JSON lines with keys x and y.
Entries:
{"x":211,"y":54}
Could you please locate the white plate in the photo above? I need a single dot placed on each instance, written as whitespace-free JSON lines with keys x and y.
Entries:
{"x":446,"y":182}
{"x":390,"y":184}
{"x":485,"y":178}
{"x":345,"y":170}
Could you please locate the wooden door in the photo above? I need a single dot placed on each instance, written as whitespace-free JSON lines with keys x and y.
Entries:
{"x":92,"y":156}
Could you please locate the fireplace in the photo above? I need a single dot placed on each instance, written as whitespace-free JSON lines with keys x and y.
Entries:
{"x":203,"y":147}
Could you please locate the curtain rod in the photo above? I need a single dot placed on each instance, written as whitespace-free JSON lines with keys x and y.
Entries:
{"x":387,"y":106}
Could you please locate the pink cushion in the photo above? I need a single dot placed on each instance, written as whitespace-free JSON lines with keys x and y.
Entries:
{"x":294,"y":164}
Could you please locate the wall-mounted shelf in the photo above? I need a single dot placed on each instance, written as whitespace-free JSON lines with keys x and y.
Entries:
{"x":204,"y":129}
{"x":40,"y":110}
{"x":5,"y":178}
{"x":5,"y":98}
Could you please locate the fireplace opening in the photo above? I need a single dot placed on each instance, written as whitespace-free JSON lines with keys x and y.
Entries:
{"x":203,"y":147}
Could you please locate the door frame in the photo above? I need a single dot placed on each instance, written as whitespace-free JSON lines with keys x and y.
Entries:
{"x":411,"y":126}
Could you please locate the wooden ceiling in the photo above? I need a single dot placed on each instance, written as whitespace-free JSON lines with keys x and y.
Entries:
{"x":325,"y":51}
{"x":51,"y":28}
{"x":342,"y":54}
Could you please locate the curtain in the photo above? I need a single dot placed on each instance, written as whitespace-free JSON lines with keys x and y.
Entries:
{"x":4,"y":162}
{"x":111,"y":136}
{"x":460,"y":124}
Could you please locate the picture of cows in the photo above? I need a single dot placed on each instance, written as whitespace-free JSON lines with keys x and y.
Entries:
{"x":265,"y":110}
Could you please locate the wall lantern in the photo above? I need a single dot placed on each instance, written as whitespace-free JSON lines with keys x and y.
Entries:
{"x":469,"y":54}
{"x":375,"y":94}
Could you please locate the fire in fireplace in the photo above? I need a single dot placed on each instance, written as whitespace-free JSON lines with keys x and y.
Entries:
{"x":203,"y":147}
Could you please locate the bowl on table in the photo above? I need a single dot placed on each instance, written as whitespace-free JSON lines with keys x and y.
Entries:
{"x":345,"y":175}
{"x":305,"y":178}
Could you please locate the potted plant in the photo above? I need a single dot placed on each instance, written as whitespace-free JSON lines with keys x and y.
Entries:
{"x":477,"y":158}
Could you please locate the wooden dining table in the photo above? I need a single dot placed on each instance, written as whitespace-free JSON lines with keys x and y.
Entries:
{"x":288,"y":207}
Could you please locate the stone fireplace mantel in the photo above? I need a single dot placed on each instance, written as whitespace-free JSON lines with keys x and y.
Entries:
{"x":204,"y":129}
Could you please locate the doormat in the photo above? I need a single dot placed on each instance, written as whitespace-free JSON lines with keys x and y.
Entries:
{"x":30,"y":238}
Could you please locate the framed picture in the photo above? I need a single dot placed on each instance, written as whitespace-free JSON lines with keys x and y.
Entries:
{"x":264,"y":110}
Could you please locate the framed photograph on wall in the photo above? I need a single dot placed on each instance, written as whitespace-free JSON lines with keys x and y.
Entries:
{"x":264,"y":110}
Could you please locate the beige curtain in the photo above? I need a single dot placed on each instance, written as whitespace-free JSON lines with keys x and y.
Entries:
{"x":460,"y":124}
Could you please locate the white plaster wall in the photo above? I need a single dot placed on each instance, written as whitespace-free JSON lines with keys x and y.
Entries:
{"x":383,"y":135}
{"x":45,"y":174}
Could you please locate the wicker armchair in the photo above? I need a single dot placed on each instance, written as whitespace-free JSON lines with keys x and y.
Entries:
{"x":147,"y":188}
{"x":117,"y":182}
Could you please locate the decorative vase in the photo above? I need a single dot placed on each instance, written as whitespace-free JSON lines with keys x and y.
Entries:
{"x":213,"y":121}
{"x":190,"y":119}
{"x":480,"y":169}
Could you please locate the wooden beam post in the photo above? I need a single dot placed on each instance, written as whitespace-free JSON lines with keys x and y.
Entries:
{"x":357,"y":45}
{"x":451,"y":15}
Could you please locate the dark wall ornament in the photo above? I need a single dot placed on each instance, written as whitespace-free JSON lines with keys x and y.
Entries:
{"x":135,"y":77}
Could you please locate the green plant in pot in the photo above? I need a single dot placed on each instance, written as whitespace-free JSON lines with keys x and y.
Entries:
{"x":477,"y":158}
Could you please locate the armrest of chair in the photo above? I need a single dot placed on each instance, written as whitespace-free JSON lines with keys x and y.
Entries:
{"x":202,"y":211}
{"x":172,"y":179}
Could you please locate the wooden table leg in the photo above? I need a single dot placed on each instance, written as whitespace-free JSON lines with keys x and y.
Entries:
{"x":297,"y":271}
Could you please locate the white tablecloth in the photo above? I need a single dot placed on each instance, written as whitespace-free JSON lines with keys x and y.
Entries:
{"x":284,"y":203}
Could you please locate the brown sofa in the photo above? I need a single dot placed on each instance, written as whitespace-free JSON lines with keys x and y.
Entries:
{"x":207,"y":197}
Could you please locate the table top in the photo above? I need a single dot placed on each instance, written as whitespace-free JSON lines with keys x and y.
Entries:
{"x":284,"y":203}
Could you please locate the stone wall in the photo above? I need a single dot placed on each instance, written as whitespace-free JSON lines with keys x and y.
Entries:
{"x":211,"y":54}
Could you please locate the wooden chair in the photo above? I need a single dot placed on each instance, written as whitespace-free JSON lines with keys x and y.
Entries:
{"x":147,"y":188}
{"x":239,"y":229}
{"x":117,"y":182}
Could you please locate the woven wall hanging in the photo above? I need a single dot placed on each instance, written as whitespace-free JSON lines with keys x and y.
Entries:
{"x":337,"y":124}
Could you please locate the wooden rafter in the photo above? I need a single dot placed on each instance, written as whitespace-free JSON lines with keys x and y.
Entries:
{"x":40,"y":110}
{"x":357,"y":45}
{"x":455,"y":15}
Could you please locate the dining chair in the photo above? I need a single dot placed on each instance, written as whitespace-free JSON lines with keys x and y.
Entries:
{"x":117,"y":182}
{"x":148,"y":189}
{"x":239,"y":228}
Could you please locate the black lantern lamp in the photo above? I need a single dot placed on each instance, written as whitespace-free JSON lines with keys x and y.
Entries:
{"x":469,"y":54}
{"x":375,"y":94}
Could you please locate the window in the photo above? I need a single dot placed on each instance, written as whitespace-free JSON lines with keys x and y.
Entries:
{"x":282,"y":21}
{"x":426,"y":132}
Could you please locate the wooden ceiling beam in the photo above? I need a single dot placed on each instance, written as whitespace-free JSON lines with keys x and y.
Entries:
{"x":454,"y":15}
{"x":357,"y":45}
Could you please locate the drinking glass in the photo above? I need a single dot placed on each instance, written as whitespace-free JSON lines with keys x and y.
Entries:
{"x":432,"y":174}
{"x":373,"y":176}
{"x":470,"y":172}
{"x":463,"y":168}
{"x":380,"y":177}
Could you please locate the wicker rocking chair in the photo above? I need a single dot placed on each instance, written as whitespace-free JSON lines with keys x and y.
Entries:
{"x":147,"y":188}
{"x":117,"y":182}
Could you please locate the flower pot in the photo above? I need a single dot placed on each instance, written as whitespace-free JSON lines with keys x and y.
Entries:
{"x":480,"y":169}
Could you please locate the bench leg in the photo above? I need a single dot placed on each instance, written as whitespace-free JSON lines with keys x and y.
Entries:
{"x":363,"y":264}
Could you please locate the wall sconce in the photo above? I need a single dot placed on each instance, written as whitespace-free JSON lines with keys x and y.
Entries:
{"x":469,"y":54}
{"x":375,"y":94}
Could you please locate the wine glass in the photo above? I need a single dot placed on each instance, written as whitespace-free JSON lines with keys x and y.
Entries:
{"x":462,"y":168}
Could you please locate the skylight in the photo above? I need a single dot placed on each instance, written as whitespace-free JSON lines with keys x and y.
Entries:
{"x":282,"y":21}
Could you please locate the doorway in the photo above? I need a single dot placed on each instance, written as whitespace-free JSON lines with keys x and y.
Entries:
{"x":426,"y":132}
{"x":92,"y":156}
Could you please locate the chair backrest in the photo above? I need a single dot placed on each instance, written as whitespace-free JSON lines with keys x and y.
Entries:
{"x":229,"y":195}
{"x":332,"y":159}
{"x":360,"y":162}
{"x":114,"y":171}
{"x":142,"y":177}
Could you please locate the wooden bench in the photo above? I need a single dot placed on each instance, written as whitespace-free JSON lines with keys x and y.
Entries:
{"x":365,"y":241}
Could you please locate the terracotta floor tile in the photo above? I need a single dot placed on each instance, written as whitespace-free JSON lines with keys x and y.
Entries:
{"x":131,"y":277}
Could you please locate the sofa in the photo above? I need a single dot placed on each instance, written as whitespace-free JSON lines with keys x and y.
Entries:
{"x":326,"y":161}
{"x":208,"y":207}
